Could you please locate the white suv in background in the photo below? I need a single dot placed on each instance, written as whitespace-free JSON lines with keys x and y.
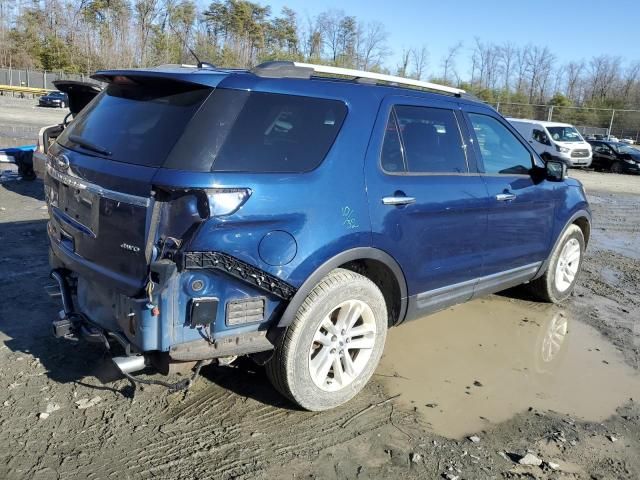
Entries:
{"x":555,"y":140}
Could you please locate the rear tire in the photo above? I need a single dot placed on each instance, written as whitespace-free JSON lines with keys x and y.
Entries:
{"x":559,"y":281}
{"x":616,"y":167}
{"x":334,"y":344}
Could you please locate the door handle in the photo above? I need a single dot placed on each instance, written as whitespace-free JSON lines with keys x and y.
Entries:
{"x":398,"y":200}
{"x":505,"y":197}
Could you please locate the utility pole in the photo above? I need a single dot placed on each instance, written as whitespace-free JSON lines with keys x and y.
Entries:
{"x":613,"y":113}
{"x":550,"y":116}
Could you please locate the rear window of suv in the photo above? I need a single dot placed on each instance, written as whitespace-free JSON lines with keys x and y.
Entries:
{"x":136,"y":122}
{"x":241,"y":131}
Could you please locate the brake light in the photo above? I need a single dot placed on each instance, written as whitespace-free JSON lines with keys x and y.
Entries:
{"x":122,"y":80}
{"x":225,"y":201}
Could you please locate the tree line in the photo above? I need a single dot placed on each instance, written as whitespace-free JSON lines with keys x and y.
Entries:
{"x":81,"y":36}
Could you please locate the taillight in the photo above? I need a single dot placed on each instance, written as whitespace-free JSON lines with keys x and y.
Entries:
{"x":225,"y":201}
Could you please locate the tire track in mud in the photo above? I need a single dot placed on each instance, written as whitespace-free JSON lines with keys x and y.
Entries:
{"x":620,"y":213}
{"x":237,"y":436}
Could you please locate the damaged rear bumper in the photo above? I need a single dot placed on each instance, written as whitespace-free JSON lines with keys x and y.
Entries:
{"x":147,"y":324}
{"x":72,"y":325}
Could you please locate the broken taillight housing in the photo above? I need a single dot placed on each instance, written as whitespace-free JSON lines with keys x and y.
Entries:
{"x":225,"y":201}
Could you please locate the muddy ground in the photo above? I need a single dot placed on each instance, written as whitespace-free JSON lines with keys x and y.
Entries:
{"x":562,"y":383}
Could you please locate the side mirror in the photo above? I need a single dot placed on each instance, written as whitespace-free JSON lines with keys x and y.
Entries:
{"x":556,"y":170}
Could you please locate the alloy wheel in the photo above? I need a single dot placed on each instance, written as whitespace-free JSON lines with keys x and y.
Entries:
{"x":567,"y":267}
{"x":342,"y":345}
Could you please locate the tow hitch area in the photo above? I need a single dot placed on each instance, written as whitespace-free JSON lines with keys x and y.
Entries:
{"x":63,"y":328}
{"x":71,"y":325}
{"x":74,"y":326}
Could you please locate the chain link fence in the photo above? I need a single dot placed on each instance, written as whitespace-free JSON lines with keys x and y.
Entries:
{"x":590,"y":121}
{"x":36,"y":78}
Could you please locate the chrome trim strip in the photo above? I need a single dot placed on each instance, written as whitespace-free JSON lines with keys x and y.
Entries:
{"x":430,"y":297}
{"x":76,"y":182}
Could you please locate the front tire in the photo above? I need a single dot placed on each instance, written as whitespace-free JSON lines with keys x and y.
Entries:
{"x":616,"y":167}
{"x":334,"y":344}
{"x":559,"y":281}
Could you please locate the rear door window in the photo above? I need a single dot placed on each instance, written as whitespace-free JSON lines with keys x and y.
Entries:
{"x":135,"y":122}
{"x":240,"y":131}
{"x":423,"y":140}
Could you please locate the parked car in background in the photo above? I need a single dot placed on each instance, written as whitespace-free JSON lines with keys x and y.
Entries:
{"x":612,"y":138}
{"x":553,"y":140}
{"x":628,"y":141}
{"x":54,"y":99}
{"x":616,"y":157}
{"x":292,"y":215}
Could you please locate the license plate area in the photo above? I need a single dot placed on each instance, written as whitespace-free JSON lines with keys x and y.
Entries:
{"x":81,"y":206}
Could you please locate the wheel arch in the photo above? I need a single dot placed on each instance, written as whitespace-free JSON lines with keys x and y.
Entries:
{"x":371,"y":262}
{"x":581,"y":218}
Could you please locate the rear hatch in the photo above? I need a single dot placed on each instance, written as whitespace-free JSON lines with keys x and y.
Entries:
{"x":100,"y":172}
{"x":78,"y":93}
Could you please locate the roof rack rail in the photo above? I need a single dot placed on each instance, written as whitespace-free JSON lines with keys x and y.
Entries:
{"x":285,"y":69}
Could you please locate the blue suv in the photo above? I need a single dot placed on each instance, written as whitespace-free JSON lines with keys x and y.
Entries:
{"x":293,"y":213}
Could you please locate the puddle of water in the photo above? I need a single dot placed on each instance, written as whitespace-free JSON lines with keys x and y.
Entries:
{"x":623,"y":243}
{"x":487,"y":360}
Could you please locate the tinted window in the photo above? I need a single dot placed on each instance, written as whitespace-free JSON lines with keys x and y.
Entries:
{"x":602,"y":148}
{"x":240,"y":131}
{"x":541,"y":137}
{"x":136,"y":123}
{"x":431,"y":140}
{"x":501,"y":151}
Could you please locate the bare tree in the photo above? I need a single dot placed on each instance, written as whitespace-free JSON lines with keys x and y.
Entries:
{"x":539,"y":64}
{"x":329,"y":23}
{"x":604,"y":70}
{"x":371,"y":45}
{"x":573,"y":77}
{"x":507,"y":57}
{"x":521,"y":68}
{"x":312,"y":39}
{"x":449,"y":63}
{"x":630,"y":79}
{"x":146,"y":12}
{"x":403,"y":68}
{"x":420,"y":60}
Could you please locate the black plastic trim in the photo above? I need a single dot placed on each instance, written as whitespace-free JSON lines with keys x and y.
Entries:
{"x":239,"y":269}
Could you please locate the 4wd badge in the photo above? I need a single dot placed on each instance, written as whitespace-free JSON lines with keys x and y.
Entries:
{"x":131,"y":248}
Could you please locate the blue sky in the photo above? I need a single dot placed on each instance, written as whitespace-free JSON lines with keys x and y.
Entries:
{"x":573,"y":30}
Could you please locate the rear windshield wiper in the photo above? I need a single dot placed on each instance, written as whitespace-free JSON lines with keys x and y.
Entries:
{"x":89,"y":146}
